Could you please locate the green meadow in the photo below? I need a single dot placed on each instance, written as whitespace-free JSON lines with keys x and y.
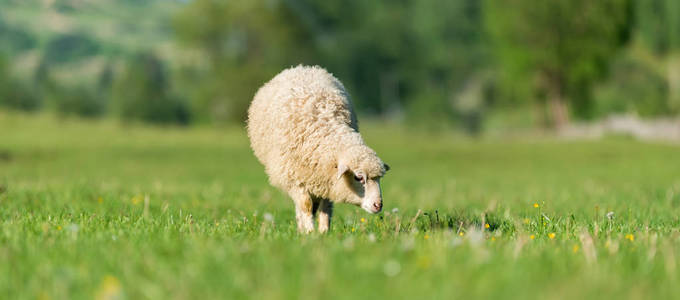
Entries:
{"x":96,"y":209}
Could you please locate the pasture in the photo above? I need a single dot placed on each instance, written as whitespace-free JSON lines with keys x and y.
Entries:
{"x":94,"y":209}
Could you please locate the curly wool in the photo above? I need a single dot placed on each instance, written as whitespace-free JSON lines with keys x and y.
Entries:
{"x":301,"y":124}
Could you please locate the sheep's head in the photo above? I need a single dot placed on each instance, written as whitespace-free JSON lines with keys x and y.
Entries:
{"x":359,"y":171}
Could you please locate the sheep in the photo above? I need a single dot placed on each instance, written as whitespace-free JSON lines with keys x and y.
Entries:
{"x":303,"y":129}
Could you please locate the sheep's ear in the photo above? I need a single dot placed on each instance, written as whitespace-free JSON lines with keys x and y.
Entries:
{"x":387,"y":167}
{"x":342,"y":169}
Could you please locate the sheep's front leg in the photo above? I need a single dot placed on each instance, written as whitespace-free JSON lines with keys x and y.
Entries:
{"x":325,"y":214}
{"x":303,"y":212}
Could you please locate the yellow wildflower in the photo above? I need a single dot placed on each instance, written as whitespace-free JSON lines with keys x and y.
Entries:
{"x":58,"y":227}
{"x":630,"y":237}
{"x":532,"y":236}
{"x":551,"y":235}
{"x":575,"y":248}
{"x":109,"y":288}
{"x":353,"y":229}
{"x":426,"y":237}
{"x":461,"y":233}
{"x":535,"y":205}
{"x":493,"y":238}
{"x":486,"y":225}
{"x":363,"y":220}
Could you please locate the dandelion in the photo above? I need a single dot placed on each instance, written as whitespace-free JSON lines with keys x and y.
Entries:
{"x":610,"y":215}
{"x":363,"y":220}
{"x":136,"y":199}
{"x":461,"y":233}
{"x":426,"y":237}
{"x":575,"y":248}
{"x":486,"y":226}
{"x":536,"y":205}
{"x":58,"y":227}
{"x":395,"y":210}
{"x":353,"y":229}
{"x":532,"y":236}
{"x":630,"y":237}
{"x":493,"y":238}
{"x":551,"y":235}
{"x":109,"y":288}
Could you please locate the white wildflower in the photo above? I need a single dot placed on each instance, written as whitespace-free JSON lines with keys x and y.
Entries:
{"x":268,"y":217}
{"x":392,"y":268}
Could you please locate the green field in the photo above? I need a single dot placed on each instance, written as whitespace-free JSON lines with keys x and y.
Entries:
{"x":99,"y":210}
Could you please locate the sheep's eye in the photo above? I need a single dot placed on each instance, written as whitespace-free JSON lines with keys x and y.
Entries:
{"x":359,"y":178}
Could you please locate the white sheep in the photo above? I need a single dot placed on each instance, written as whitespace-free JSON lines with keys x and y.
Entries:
{"x":303,"y":129}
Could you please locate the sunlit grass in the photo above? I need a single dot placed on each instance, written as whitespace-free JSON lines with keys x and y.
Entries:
{"x":98,"y":210}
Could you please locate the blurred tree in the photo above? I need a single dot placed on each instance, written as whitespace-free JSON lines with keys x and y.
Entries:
{"x":15,"y":94}
{"x":658,"y":24}
{"x":69,"y":47}
{"x":141,"y":93}
{"x":77,"y":100}
{"x":558,"y":47}
{"x":391,"y":55}
{"x":245,"y":43}
{"x":15,"y":40}
{"x":634,"y":86}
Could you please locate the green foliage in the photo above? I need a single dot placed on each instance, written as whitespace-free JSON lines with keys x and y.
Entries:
{"x":387,"y":54}
{"x":634,"y":87}
{"x":95,"y":210}
{"x":428,"y":62}
{"x":559,"y":48}
{"x":658,"y":22}
{"x":393,"y":54}
{"x":245,"y":44}
{"x":15,"y":94}
{"x":69,"y":47}
{"x":78,"y":101}
{"x":142,"y":93}
{"x":15,"y":40}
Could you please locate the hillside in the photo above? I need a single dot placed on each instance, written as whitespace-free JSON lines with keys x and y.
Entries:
{"x":78,"y":38}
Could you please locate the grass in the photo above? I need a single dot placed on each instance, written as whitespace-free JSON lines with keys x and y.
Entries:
{"x":98,"y":210}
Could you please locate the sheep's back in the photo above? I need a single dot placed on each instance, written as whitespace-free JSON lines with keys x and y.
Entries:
{"x":296,"y":124}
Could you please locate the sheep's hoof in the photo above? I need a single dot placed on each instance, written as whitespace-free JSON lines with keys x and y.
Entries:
{"x":305,"y":228}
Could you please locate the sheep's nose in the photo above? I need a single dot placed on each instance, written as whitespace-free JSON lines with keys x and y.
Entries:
{"x":377,"y":205}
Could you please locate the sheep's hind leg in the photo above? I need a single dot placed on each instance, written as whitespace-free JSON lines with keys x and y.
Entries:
{"x":325,"y":214}
{"x":303,"y":212}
